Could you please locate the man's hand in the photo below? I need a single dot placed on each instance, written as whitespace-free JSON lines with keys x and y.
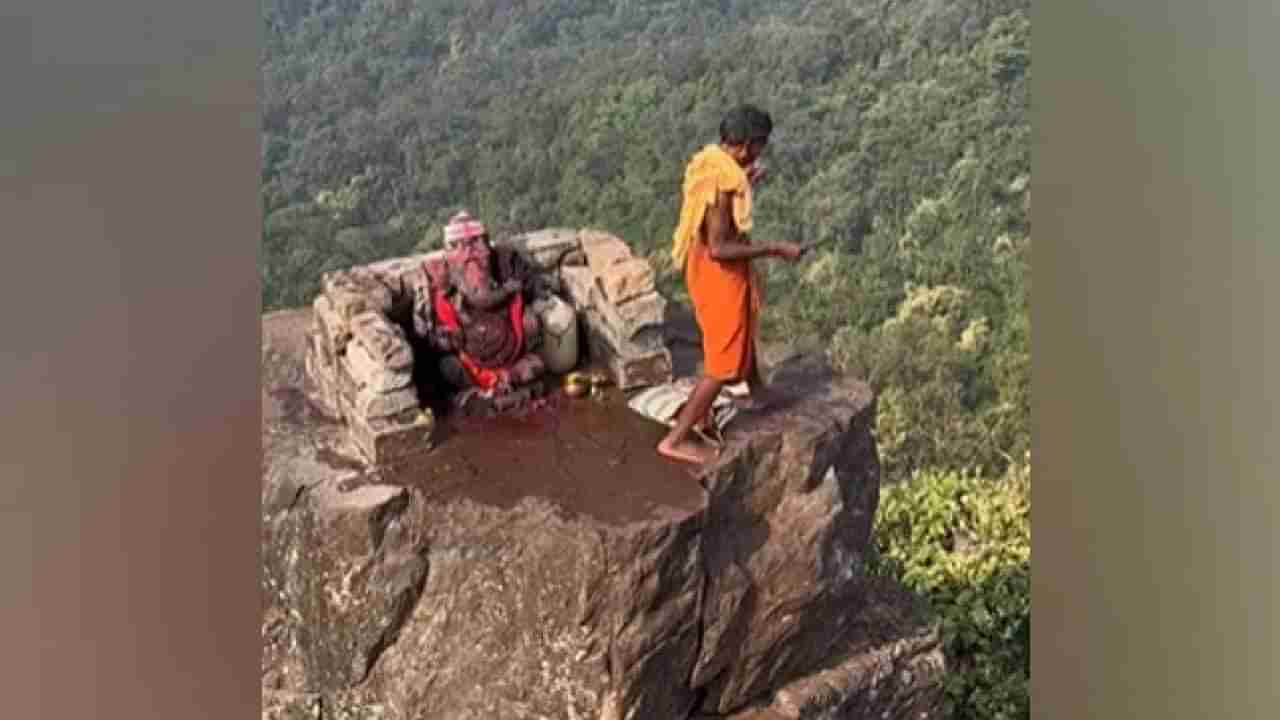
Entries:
{"x":725,"y":243}
{"x":788,"y":250}
{"x":756,"y":173}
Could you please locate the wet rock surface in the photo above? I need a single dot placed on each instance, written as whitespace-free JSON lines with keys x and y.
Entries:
{"x":587,"y":456}
{"x":555,"y":567}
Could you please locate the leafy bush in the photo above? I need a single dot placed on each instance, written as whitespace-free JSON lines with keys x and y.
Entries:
{"x":949,"y":396}
{"x":964,"y":542}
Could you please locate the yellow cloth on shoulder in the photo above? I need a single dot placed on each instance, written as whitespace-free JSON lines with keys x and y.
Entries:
{"x":710,"y":171}
{"x":724,"y":293}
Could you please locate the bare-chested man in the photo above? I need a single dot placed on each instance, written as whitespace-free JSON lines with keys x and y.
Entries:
{"x":713,"y":246}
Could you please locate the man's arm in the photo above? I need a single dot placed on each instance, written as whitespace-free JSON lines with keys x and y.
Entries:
{"x":727,"y":244}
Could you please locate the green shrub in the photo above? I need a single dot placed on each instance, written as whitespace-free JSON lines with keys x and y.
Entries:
{"x":938,"y":405}
{"x":964,"y":542}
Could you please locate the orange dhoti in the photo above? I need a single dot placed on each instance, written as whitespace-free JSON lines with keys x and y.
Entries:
{"x":726,"y":303}
{"x":726,"y":296}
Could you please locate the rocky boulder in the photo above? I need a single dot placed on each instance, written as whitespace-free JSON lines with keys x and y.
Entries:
{"x":738,"y":592}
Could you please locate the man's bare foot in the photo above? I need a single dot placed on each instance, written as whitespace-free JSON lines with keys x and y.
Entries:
{"x":687,"y":451}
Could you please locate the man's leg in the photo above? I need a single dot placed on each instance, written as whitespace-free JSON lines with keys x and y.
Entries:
{"x":762,"y":396}
{"x":677,"y":444}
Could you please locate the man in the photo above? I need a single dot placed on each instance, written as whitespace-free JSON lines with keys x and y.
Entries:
{"x":712,"y":244}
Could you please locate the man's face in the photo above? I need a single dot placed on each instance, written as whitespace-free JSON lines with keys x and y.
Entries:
{"x":747,"y":153}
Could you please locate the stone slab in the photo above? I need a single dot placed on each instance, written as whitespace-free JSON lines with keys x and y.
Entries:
{"x":606,"y":340}
{"x":399,"y":273}
{"x":625,"y":321}
{"x":369,"y":372}
{"x":344,"y":389}
{"x":623,"y":281}
{"x":370,"y":403}
{"x":317,"y":346}
{"x":395,"y":267}
{"x":387,"y":440}
{"x":603,"y":249}
{"x":345,"y":383}
{"x":545,"y":248}
{"x":385,"y":340}
{"x":309,"y":367}
{"x":577,"y":283}
{"x":326,"y":386}
{"x":336,"y":331}
{"x":357,"y":291}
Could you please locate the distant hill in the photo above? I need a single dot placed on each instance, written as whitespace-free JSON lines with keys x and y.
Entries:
{"x":392,"y":113}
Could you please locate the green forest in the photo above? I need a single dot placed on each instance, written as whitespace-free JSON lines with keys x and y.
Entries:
{"x":902,"y":143}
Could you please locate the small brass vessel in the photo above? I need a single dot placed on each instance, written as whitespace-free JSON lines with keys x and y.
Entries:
{"x":577,"y":384}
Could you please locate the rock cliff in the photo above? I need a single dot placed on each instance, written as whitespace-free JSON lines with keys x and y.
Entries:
{"x":590,"y":581}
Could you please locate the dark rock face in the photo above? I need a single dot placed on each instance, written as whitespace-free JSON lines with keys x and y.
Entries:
{"x":389,"y":600}
{"x":788,"y":519}
{"x":890,"y":669}
{"x":360,"y":577}
{"x":499,"y":630}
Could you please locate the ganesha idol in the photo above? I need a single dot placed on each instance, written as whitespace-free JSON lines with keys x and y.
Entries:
{"x":474,"y":308}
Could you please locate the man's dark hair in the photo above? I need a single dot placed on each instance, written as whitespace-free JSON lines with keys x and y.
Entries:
{"x":744,"y":124}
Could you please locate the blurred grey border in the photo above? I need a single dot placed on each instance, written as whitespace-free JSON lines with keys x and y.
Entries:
{"x":129,"y":435}
{"x":1155,"y":176}
{"x":130,"y":424}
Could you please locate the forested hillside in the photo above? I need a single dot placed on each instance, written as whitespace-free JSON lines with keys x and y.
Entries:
{"x":902,"y":138}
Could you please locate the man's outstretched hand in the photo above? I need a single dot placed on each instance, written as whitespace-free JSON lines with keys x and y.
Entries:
{"x":788,"y":250}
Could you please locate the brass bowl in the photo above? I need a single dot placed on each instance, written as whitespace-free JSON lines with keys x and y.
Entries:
{"x":577,"y":384}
